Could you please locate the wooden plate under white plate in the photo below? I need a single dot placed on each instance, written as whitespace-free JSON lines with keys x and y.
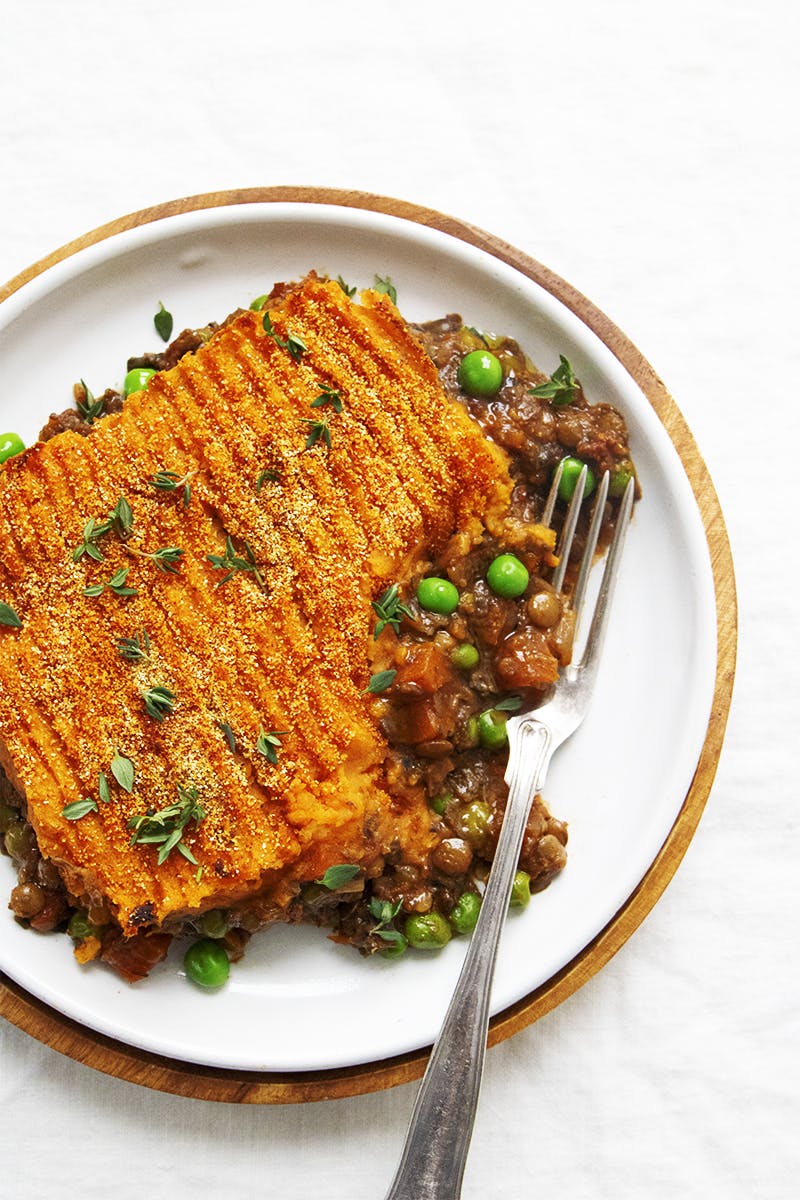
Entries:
{"x":116,"y":1058}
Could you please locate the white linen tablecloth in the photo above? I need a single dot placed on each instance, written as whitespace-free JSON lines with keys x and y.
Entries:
{"x":648,"y":154}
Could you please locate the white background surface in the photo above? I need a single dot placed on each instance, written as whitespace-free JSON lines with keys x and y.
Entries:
{"x":649,"y":156}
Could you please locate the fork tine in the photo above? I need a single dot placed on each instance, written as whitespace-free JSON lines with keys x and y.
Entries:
{"x":591,"y":544}
{"x":597,"y":629}
{"x":568,"y":531}
{"x":552,"y":496}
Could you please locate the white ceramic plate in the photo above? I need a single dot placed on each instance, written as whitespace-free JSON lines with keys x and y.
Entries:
{"x":297,"y":1001}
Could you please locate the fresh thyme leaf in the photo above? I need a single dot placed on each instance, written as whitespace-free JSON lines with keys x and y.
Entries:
{"x":9,"y":617}
{"x":269,"y":744}
{"x":199,"y":874}
{"x":163,"y":322}
{"x":165,"y":558}
{"x":259,"y":302}
{"x":170,"y":481}
{"x":390,"y":935}
{"x":164,"y":829}
{"x":123,"y":771}
{"x":328,"y":395}
{"x":134,"y":648}
{"x":387,"y":287}
{"x":266,"y":476}
{"x":228,"y":735}
{"x":121,"y":518}
{"x":88,"y":408}
{"x":96,"y":589}
{"x":383,"y":911}
{"x":335,"y":876}
{"x":348,"y":291}
{"x":389,"y":610}
{"x":230,"y":562}
{"x":103,"y":789}
{"x":319,"y":431}
{"x":294,"y":344}
{"x":116,"y":583}
{"x":159,"y":702}
{"x":509,"y":704}
{"x":92,"y":531}
{"x":560,"y":388}
{"x":78,"y":809}
{"x":379,"y":683}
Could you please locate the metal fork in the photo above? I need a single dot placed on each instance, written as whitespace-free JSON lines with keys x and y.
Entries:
{"x":436,"y":1146}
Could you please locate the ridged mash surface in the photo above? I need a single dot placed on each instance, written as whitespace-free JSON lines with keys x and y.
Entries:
{"x":406,"y":468}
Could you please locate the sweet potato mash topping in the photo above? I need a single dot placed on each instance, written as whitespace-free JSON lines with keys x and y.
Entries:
{"x":277,"y":647}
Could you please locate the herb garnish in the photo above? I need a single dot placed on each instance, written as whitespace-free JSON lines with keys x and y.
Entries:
{"x":379,"y":683}
{"x":259,"y":302}
{"x":318,"y":431}
{"x":228,"y":734}
{"x":560,"y":388}
{"x":509,"y":704}
{"x":159,"y":702}
{"x":120,"y":519}
{"x":123,"y":771}
{"x":269,"y":744}
{"x":103,"y":789}
{"x":386,"y":287}
{"x":165,"y":558}
{"x":389,"y":610}
{"x":165,"y":828}
{"x":136,"y":647}
{"x":170,"y":481}
{"x":330,"y":396}
{"x":9,"y":617}
{"x":231,"y":563}
{"x":78,"y":809}
{"x":116,"y":584}
{"x":163,"y":322}
{"x":335,"y":876}
{"x":88,"y":408}
{"x":294,"y":344}
{"x":384,"y":911}
{"x":348,"y":291}
{"x":266,"y":476}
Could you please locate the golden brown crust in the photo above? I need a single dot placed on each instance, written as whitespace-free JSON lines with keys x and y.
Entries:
{"x":405,"y":468}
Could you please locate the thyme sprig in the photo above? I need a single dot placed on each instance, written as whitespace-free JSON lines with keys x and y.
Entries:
{"x":328,"y":395}
{"x":379,"y":682}
{"x":170,"y":481}
{"x":294,"y":344}
{"x":560,"y":388}
{"x":165,"y":558}
{"x":266,"y":476}
{"x":318,"y":431}
{"x":163,"y":322}
{"x":386,"y":286}
{"x":165,"y":828}
{"x":337,"y":875}
{"x":232,"y":563}
{"x":116,"y":584}
{"x":384,"y":913}
{"x":120,"y":520}
{"x":389,"y":610}
{"x":159,"y":702}
{"x":228,"y":734}
{"x":348,"y":291}
{"x":269,"y":743}
{"x":88,"y":408}
{"x":135,"y":648}
{"x":79,"y":808}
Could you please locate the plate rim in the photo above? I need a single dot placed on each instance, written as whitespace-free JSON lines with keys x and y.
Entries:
{"x":122,"y":1061}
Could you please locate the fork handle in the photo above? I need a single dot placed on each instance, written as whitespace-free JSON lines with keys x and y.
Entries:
{"x":439,"y":1133}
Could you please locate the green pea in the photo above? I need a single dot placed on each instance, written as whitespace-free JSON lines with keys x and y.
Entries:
{"x":427,"y":931}
{"x":214,"y":923}
{"x":20,"y":840}
{"x":207,"y":964}
{"x":507,"y":576}
{"x":492,"y":729}
{"x":570,"y":476}
{"x":438,"y":595}
{"x":136,"y":380}
{"x":396,"y":947}
{"x":465,"y":913}
{"x":465,"y":656}
{"x":10,"y":444}
{"x":520,"y":890}
{"x":619,"y":480}
{"x":474,"y":821}
{"x":480,"y":373}
{"x":80,"y":927}
{"x":259,"y":302}
{"x":8,"y":815}
{"x":440,"y":803}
